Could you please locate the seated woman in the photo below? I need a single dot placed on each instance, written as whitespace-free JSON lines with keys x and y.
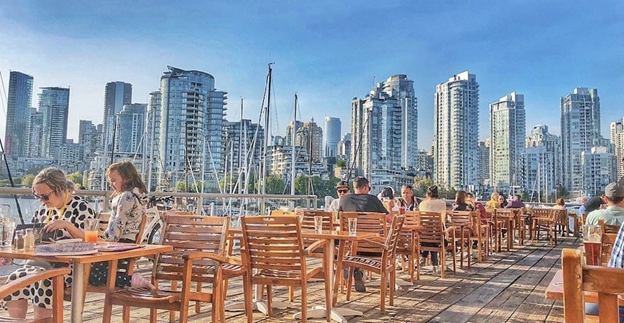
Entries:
{"x":493,"y":203}
{"x":63,"y":212}
{"x":460,"y":202}
{"x":128,"y":208}
{"x":387,"y":197}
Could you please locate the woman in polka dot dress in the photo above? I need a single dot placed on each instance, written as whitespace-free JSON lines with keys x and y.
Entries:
{"x":63,"y":212}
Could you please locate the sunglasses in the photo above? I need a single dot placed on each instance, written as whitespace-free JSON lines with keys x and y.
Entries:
{"x":43,"y":197}
{"x":343,"y":191}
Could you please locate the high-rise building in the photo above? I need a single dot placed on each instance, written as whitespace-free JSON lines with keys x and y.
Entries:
{"x":130,"y":129}
{"x":543,"y":165}
{"x":88,"y":137}
{"x":35,"y":134}
{"x":18,"y":114}
{"x":508,"y":132}
{"x":580,"y":131}
{"x":54,"y":104}
{"x":331,"y":136}
{"x":289,"y":132}
{"x":425,"y":162}
{"x":456,"y":132}
{"x":116,"y":95}
{"x":344,"y":147}
{"x":191,"y":127}
{"x":483,"y":176}
{"x":243,"y":144}
{"x":617,"y":140}
{"x":152,"y":140}
{"x":310,"y":137}
{"x":383,"y":128}
{"x":597,"y":170}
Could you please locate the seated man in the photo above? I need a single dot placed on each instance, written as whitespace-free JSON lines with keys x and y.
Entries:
{"x":516,"y":203}
{"x":614,"y":213}
{"x":342,"y":189}
{"x":361,"y":201}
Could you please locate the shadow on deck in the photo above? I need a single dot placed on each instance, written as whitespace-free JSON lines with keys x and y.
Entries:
{"x":508,"y":287}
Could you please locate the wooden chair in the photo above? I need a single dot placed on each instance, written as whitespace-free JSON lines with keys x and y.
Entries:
{"x":578,"y":279}
{"x":384,"y":266}
{"x":366,"y":222}
{"x":562,"y":222}
{"x":434,"y":237}
{"x":482,"y":236}
{"x":543,"y":219}
{"x":199,"y":245}
{"x":462,"y":221}
{"x":495,"y":228}
{"x":609,"y":234}
{"x":508,"y":218}
{"x":58,"y":284}
{"x":409,"y":245}
{"x":307,"y":220}
{"x":273,"y":251}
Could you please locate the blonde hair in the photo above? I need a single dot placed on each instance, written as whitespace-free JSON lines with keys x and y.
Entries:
{"x":128,"y":172}
{"x":56,"y":180}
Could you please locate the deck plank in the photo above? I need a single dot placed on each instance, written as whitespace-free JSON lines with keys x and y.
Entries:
{"x":507,"y":287}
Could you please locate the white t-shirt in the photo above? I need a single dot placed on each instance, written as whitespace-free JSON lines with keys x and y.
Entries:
{"x":433,"y":205}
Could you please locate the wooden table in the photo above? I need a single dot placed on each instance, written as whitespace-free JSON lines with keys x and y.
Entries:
{"x":79,"y":262}
{"x":555,"y":290}
{"x":337,"y":314}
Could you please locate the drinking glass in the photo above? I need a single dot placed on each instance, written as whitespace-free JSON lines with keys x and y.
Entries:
{"x":352,"y":226}
{"x":8,"y":227}
{"x":5,"y":215}
{"x":91,"y":230}
{"x":592,"y":237}
{"x":318,"y":224}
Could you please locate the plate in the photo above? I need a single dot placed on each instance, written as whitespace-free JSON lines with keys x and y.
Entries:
{"x":118,"y":247}
{"x":76,"y":253}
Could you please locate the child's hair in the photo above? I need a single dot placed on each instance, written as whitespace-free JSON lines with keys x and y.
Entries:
{"x":131,"y":177}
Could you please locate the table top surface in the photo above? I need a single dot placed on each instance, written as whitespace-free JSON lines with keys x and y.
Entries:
{"x":145,"y":250}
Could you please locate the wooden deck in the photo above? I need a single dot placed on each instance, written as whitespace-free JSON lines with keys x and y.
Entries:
{"x":509,"y":287}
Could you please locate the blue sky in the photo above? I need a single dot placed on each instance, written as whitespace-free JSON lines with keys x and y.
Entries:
{"x":327,"y":51}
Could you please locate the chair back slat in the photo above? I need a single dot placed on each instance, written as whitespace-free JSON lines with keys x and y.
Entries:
{"x":541,"y":213}
{"x":273,"y":243}
{"x":307,"y":221}
{"x":433,"y":227}
{"x":608,"y":228}
{"x":103,"y":220}
{"x":366,"y":222}
{"x":607,"y":240}
{"x":578,"y":279}
{"x":461,"y":218}
{"x":191,"y":233}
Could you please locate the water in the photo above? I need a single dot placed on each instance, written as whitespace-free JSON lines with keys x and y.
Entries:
{"x":28,"y":206}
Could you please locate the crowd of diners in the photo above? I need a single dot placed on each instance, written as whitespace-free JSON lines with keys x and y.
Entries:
{"x":608,"y":207}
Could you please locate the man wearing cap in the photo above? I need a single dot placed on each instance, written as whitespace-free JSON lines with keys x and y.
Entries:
{"x":342,"y":189}
{"x":614,"y":213}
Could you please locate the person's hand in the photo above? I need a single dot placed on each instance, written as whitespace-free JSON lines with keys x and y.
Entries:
{"x":56,"y":225}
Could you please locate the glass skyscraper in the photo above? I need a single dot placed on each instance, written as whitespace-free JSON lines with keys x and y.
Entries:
{"x":130,"y":129}
{"x":331,"y":136}
{"x":54,"y":105}
{"x":116,"y":95}
{"x":18,"y":114}
{"x":456,"y":132}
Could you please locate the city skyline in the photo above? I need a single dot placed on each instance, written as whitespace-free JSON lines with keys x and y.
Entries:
{"x":65,"y":44}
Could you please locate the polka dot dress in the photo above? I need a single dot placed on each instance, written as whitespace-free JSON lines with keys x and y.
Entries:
{"x":77,"y":210}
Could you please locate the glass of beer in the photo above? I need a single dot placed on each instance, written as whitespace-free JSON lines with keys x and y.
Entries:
{"x":592,"y":237}
{"x":91,"y":230}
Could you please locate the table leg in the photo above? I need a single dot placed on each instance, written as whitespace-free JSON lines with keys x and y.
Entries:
{"x":77,"y":293}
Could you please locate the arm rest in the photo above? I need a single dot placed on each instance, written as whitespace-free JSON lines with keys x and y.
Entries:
{"x":317,"y":244}
{"x":192,"y":255}
{"x":30,"y":279}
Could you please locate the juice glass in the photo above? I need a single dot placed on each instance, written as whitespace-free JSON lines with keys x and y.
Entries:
{"x":91,"y":230}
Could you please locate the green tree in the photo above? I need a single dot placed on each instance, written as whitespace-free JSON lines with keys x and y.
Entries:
{"x":341,"y":163}
{"x":274,"y":185}
{"x":75,"y":177}
{"x":27,"y":180}
{"x":227,"y":183}
{"x":421,"y":184}
{"x":181,"y":186}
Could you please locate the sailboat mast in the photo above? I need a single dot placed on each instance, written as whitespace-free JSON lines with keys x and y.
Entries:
{"x":266,"y":136}
{"x":293,"y":136}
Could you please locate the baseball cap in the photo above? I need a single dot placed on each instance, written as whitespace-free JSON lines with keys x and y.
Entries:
{"x":593,"y":204}
{"x":614,"y":190}
{"x":342,"y":184}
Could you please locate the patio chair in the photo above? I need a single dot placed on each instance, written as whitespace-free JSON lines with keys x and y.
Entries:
{"x":273,"y":250}
{"x":508,"y":218}
{"x":56,"y":275}
{"x":409,"y":245}
{"x":435,"y":238}
{"x":482,"y":236}
{"x":543,"y":219}
{"x":384,"y":266}
{"x":561,"y":221}
{"x":609,"y":234}
{"x":578,"y":279}
{"x":462,"y":220}
{"x":198,"y":256}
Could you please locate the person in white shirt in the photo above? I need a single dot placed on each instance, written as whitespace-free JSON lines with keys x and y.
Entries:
{"x":342,"y":189}
{"x":433,"y":204}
